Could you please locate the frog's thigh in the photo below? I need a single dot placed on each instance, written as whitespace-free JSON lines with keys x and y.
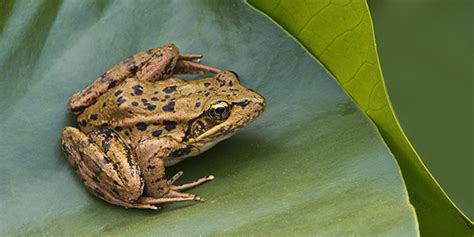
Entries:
{"x":105,"y":166}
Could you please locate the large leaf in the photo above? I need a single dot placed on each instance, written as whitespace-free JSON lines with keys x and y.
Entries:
{"x":311,"y":164}
{"x":340,"y":34}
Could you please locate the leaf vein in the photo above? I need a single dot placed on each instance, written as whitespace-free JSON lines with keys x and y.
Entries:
{"x":339,"y":36}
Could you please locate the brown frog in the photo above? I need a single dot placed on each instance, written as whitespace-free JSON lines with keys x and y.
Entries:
{"x":139,"y":117}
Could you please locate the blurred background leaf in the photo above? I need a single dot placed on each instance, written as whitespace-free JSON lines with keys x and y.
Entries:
{"x":311,"y":164}
{"x":340,"y":35}
{"x":432,"y":41}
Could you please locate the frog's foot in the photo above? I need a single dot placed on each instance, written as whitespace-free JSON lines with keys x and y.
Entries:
{"x":189,"y":64}
{"x":188,"y":185}
{"x":174,"y":194}
{"x":171,"y":196}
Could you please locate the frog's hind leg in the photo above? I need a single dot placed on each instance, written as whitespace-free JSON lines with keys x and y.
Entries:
{"x":106,"y":166}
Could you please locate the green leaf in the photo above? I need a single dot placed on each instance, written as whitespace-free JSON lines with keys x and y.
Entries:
{"x":340,"y":35}
{"x":311,"y":164}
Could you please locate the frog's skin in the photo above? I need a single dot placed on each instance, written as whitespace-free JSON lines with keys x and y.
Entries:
{"x":139,"y":117}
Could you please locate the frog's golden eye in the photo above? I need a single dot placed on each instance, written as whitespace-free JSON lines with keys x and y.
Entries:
{"x":219,"y":110}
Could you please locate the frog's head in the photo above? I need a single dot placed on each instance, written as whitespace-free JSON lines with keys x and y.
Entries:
{"x":228,"y":107}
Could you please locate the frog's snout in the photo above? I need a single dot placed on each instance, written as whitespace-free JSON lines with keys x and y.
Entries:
{"x":258,"y":99}
{"x":260,"y":103}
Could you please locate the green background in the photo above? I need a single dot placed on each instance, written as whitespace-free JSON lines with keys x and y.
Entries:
{"x":425,"y":49}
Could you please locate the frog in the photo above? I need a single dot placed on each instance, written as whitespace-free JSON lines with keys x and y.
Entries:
{"x":140,"y":117}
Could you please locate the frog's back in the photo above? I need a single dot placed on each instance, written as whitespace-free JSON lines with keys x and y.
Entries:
{"x":130,"y":100}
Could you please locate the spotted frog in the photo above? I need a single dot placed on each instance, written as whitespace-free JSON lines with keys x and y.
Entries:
{"x":138,"y":118}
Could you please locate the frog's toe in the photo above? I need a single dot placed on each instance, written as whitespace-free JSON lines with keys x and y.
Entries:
{"x":174,"y":194}
{"x":192,"y":67}
{"x":154,"y":201}
{"x":191,"y":57}
{"x":192,"y":184}
{"x":175,"y":177}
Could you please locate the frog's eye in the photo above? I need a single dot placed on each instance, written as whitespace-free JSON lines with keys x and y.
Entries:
{"x":219,"y":110}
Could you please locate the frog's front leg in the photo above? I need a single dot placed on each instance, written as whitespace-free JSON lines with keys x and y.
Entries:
{"x":150,"y":65}
{"x":158,"y":189}
{"x":106,"y":166}
{"x":127,"y":68}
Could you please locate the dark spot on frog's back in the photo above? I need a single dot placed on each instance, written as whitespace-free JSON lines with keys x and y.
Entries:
{"x":134,"y":103}
{"x":151,"y":107}
{"x":169,"y":107}
{"x":169,"y":125}
{"x":156,"y":133}
{"x":93,"y":116}
{"x":197,"y":104}
{"x":145,"y":102}
{"x":137,"y":89}
{"x":118,"y":92}
{"x":207,"y":84}
{"x":141,"y":126}
{"x":170,"y":89}
{"x":120,"y":101}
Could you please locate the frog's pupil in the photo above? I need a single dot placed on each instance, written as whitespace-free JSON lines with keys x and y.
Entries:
{"x":220,"y":110}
